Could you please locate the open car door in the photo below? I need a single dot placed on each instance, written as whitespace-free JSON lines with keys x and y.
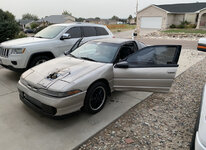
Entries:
{"x":150,"y":69}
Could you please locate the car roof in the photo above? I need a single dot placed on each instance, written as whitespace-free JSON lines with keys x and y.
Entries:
{"x":114,"y":40}
{"x":80,"y":24}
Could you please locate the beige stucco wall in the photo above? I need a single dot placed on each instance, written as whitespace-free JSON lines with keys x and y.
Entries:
{"x":174,"y":19}
{"x":69,"y":21}
{"x":153,"y":11}
{"x":191,"y":18}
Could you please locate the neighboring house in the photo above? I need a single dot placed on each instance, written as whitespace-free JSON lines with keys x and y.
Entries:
{"x":108,"y":21}
{"x":56,"y":19}
{"x":131,"y":21}
{"x":25,"y":23}
{"x":92,"y":20}
{"x":101,"y":21}
{"x":162,"y":16}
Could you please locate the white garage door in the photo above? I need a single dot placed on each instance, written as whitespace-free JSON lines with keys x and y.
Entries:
{"x":151,"y":22}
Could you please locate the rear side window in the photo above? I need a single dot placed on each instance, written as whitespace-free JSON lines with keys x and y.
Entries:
{"x":89,"y":31}
{"x":75,"y":32}
{"x":101,"y":31}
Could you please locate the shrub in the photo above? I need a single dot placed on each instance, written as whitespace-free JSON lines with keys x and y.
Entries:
{"x":9,"y":28}
{"x":173,"y":26}
{"x":191,"y":26}
{"x":181,"y":26}
{"x":34,"y":25}
{"x":21,"y":35}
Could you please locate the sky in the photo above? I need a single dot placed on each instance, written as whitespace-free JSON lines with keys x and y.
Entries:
{"x":81,"y":8}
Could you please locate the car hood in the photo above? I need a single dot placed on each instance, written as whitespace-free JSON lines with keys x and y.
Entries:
{"x":23,"y":42}
{"x":66,"y":69}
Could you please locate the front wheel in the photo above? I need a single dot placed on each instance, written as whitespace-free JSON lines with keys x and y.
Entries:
{"x":95,"y":98}
{"x":38,"y":60}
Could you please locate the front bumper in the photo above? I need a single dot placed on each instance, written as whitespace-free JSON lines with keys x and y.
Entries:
{"x":50,"y":106}
{"x":198,"y":144}
{"x":21,"y":70}
{"x":201,"y":47}
{"x":13,"y":62}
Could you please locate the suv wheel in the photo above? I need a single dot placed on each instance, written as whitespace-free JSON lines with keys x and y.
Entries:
{"x":95,"y":98}
{"x":39,"y":60}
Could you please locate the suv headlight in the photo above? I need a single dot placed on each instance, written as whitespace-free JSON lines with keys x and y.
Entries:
{"x":17,"y":50}
{"x":59,"y":94}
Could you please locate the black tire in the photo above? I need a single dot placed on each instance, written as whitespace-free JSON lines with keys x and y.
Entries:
{"x":38,"y":60}
{"x":95,"y":98}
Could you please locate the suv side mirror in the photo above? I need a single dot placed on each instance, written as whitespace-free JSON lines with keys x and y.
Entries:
{"x":65,"y":36}
{"x":123,"y":64}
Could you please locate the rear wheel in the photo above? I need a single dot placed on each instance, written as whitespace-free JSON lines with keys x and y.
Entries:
{"x":38,"y":60}
{"x":95,"y":98}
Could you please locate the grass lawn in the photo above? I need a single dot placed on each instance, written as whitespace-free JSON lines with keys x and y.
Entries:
{"x":185,"y":31}
{"x":121,"y":27}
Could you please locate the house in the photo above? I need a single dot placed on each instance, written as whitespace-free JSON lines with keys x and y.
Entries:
{"x":101,"y":21}
{"x":131,"y":21}
{"x":107,"y":21}
{"x":25,"y":23}
{"x":92,"y":20}
{"x":163,"y":16}
{"x":56,"y":19}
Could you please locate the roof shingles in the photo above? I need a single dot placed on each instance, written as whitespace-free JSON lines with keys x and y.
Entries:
{"x":183,"y":8}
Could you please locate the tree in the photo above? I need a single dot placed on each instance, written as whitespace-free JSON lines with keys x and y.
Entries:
{"x":9,"y":28}
{"x":29,"y":16}
{"x":115,"y":18}
{"x":130,"y":17}
{"x":97,"y":18}
{"x":80,"y":19}
{"x":66,"y":13}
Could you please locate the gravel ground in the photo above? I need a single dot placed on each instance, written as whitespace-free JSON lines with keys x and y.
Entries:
{"x":162,"y":121}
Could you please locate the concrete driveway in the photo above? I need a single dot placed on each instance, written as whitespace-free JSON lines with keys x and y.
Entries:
{"x":23,"y":129}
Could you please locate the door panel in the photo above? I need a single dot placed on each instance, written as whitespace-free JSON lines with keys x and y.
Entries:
{"x":149,"y":69}
{"x":67,"y":44}
{"x":144,"y":79}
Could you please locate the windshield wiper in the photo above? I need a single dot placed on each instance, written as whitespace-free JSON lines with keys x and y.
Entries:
{"x":71,"y":55}
{"x":86,"y":58}
{"x":38,"y":36}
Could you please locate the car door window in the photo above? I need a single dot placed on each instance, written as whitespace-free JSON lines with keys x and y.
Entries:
{"x":101,"y":31}
{"x":156,"y":55}
{"x":126,"y":50}
{"x":75,"y":32}
{"x":89,"y":31}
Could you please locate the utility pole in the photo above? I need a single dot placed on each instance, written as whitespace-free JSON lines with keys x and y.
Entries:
{"x":137,"y":21}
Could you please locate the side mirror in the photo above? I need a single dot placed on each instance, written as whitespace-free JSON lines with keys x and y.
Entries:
{"x":123,"y":64}
{"x":134,"y":34}
{"x":65,"y":36}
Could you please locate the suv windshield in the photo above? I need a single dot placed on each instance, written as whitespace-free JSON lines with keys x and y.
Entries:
{"x":50,"y":32}
{"x":96,"y":51}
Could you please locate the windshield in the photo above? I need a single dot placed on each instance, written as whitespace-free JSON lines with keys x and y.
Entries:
{"x":50,"y":32}
{"x":96,"y":51}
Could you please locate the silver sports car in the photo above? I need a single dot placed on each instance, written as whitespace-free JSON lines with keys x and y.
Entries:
{"x":85,"y":77}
